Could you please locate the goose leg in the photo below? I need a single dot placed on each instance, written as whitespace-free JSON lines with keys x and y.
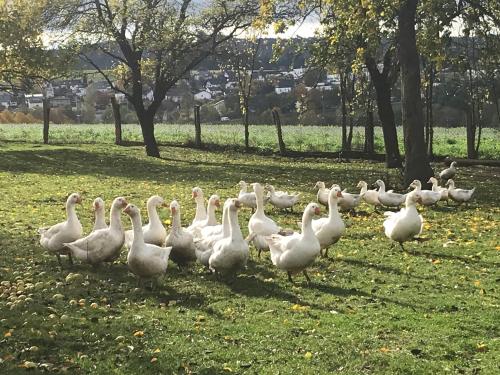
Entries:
{"x":289,"y":276}
{"x":307,"y":277}
{"x":325,"y":254}
{"x":402,"y":247}
{"x":70,"y":258}
{"x":258,"y":254}
{"x":59,"y":260}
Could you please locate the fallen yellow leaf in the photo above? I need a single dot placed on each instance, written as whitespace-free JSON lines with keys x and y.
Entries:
{"x":482,"y":347}
{"x":384,"y":350}
{"x":308,"y":355}
{"x":139,"y":333}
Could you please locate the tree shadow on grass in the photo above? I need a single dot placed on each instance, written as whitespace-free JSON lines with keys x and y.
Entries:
{"x":470,"y":260}
{"x":350,"y":292}
{"x":74,"y":161}
{"x":380,"y":267}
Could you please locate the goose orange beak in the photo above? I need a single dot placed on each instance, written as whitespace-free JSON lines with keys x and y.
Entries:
{"x":339,"y":194}
{"x":217,"y":203}
{"x":317,"y":210}
{"x":237,"y":203}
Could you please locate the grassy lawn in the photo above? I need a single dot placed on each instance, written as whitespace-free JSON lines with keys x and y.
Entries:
{"x":447,"y":141}
{"x":371,"y":308}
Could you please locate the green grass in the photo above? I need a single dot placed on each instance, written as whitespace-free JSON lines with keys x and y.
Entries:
{"x":448,"y":141}
{"x":371,"y":309}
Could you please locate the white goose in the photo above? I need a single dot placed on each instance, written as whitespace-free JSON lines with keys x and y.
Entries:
{"x":259,"y":225}
{"x":348,"y":201}
{"x":296,"y":252}
{"x":100,"y":220}
{"x":103,"y":245}
{"x":144,"y":260}
{"x":389,"y":198}
{"x":204,"y":245}
{"x":449,"y":172}
{"x":281,"y":199}
{"x":181,"y":241}
{"x":369,"y":196}
{"x":404,"y":225}
{"x":329,"y":229}
{"x":323,"y":193}
{"x":201,"y":212}
{"x":429,"y":197}
{"x":437,"y":188}
{"x":459,"y":195}
{"x":54,"y":237}
{"x":154,"y":232}
{"x":230,"y":254}
{"x":248,"y":199}
{"x":211,"y":220}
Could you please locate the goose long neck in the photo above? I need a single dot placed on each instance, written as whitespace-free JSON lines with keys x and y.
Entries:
{"x":332,"y":206}
{"x":235,"y":226}
{"x":100,"y":221}
{"x":137,"y":227}
{"x":154,"y":218}
{"x":71,"y":212}
{"x":226,"y":230}
{"x":115,"y":221}
{"x":201,"y":212}
{"x":211,"y":219}
{"x":260,"y":201}
{"x":307,"y":224}
{"x":176,"y":220}
{"x":364,"y":189}
{"x":381,"y":188}
{"x":410,"y":206}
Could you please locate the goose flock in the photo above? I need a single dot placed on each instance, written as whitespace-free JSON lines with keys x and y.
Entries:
{"x":221,"y":247}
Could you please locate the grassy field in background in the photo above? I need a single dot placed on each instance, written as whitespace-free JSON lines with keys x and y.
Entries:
{"x":371,"y":308}
{"x":448,"y":141}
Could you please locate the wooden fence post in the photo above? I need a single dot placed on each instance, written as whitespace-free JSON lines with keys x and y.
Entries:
{"x":197,"y":126}
{"x":118,"y":120}
{"x":46,"y":119}
{"x":277,"y":123}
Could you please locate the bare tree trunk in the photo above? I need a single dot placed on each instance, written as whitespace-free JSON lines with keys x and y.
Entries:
{"x":118,"y":120}
{"x":369,"y":132}
{"x":246,"y":123}
{"x":429,"y":116}
{"x":382,"y":85}
{"x":496,"y":100}
{"x":197,"y":126}
{"x":277,"y":123}
{"x":46,"y":119}
{"x":417,"y":164}
{"x":430,"y":146}
{"x":148,"y":133}
{"x":479,"y":127}
{"x":343,"y":100}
